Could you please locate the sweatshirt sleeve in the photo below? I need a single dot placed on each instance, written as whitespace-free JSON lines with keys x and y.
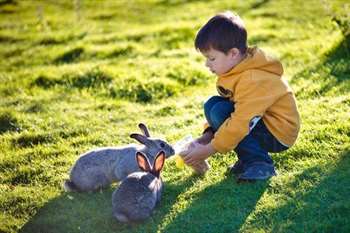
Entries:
{"x":251,"y":102}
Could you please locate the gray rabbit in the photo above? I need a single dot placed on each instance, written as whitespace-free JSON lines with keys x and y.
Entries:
{"x":139,"y":193}
{"x":99,"y":168}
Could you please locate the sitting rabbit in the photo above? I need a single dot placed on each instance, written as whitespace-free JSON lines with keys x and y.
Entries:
{"x":138,"y":194}
{"x":99,"y":168}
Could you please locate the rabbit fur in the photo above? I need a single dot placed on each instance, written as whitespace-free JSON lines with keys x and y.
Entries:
{"x":100,"y":167}
{"x":139,"y":193}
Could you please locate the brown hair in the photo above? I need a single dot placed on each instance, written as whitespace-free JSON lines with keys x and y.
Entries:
{"x":222,"y":32}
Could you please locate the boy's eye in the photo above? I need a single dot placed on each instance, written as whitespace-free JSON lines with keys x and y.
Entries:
{"x":211,"y":59}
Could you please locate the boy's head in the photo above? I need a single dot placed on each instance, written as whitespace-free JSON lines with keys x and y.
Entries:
{"x":223,"y":40}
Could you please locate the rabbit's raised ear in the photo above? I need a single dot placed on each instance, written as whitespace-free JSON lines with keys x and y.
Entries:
{"x":144,"y":129}
{"x":158,"y":163}
{"x":140,"y":138}
{"x":143,"y":162}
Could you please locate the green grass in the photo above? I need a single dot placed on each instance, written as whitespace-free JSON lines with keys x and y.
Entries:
{"x":75,"y":75}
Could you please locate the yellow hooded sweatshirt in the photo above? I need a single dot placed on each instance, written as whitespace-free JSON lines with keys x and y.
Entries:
{"x":258,"y":91}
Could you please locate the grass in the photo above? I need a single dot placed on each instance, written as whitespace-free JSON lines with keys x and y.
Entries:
{"x":80,"y":74}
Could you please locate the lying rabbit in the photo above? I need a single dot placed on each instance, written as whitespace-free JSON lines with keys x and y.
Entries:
{"x":138,"y":194}
{"x":99,"y":168}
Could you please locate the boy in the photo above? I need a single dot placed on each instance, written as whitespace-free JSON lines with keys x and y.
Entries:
{"x":256,"y":111}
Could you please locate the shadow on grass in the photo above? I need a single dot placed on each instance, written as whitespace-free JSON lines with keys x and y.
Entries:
{"x":339,"y":60}
{"x":314,"y":201}
{"x":92,"y":212}
{"x":333,"y":73}
{"x":222,"y":207}
{"x":317,"y":200}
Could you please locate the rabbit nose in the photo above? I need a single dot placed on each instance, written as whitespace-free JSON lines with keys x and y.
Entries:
{"x":172,"y":151}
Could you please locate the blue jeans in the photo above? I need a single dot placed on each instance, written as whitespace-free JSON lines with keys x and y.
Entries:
{"x":256,"y":145}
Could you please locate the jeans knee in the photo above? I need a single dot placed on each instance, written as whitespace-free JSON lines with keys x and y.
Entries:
{"x":211,"y":102}
{"x":208,"y":105}
{"x":220,"y":112}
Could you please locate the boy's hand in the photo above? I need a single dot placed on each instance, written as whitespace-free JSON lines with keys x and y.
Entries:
{"x":197,"y":153}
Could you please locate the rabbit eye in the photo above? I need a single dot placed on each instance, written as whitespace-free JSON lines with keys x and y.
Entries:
{"x":162,"y":144}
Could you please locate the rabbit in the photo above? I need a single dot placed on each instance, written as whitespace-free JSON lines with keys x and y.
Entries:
{"x":139,"y":193}
{"x":97,"y":169}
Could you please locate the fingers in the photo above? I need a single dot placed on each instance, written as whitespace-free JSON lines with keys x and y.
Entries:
{"x":193,"y":163}
{"x":184,"y":153}
{"x":190,"y":160}
{"x":187,"y":158}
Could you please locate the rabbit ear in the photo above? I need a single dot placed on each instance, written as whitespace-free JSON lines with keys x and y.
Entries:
{"x":143,"y":162}
{"x":158,"y":163}
{"x":140,"y":138}
{"x":144,"y":129}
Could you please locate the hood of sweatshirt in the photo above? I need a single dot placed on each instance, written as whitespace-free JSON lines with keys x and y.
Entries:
{"x":256,"y":59}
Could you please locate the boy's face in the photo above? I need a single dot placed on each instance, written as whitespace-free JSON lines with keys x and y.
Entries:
{"x":219,"y":63}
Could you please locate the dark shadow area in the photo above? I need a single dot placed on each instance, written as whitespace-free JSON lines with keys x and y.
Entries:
{"x":339,"y":60}
{"x":9,"y":122}
{"x":72,"y":212}
{"x":86,"y":212}
{"x":92,"y":78}
{"x":69,"y":56}
{"x":175,"y":2}
{"x":7,"y":2}
{"x":30,"y":140}
{"x":334,"y":72}
{"x":222,"y":207}
{"x":121,"y":52}
{"x":259,"y":4}
{"x":323,"y":207}
{"x":9,"y":39}
{"x":259,"y":39}
{"x":53,"y":39}
{"x":104,"y":16}
{"x":253,"y":6}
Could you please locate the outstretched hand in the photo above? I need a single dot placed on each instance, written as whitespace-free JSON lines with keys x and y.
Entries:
{"x":197,"y":153}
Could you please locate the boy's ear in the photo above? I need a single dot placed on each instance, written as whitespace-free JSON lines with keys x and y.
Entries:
{"x":143,"y":162}
{"x":234,"y":52}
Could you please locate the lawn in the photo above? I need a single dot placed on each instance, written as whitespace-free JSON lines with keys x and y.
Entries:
{"x":76,"y":75}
